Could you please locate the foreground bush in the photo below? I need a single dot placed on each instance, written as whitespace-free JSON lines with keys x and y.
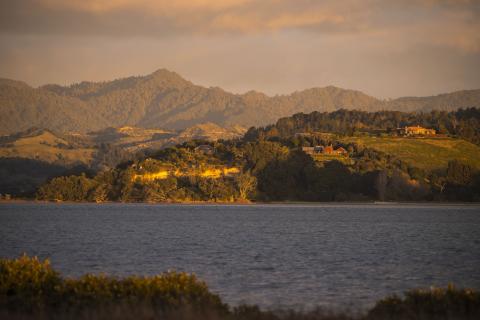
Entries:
{"x":30,"y":286}
{"x":31,"y":289}
{"x":434,"y":303}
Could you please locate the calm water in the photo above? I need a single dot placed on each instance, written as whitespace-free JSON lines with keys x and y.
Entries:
{"x":271,"y":255}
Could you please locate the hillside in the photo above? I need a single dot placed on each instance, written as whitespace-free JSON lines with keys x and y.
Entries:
{"x":424,"y":153}
{"x":464,"y":123}
{"x":444,"y":102}
{"x":374,"y":161}
{"x":70,"y":149}
{"x":164,"y":99}
{"x":24,"y":107}
{"x":265,"y":170}
{"x":45,"y":146}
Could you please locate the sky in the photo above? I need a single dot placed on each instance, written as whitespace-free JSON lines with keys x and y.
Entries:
{"x":386,"y":48}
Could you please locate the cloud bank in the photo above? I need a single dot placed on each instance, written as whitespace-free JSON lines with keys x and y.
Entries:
{"x":443,"y":22}
{"x":304,"y":37}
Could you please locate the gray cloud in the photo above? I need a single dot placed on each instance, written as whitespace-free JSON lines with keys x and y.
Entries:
{"x":443,"y":22}
{"x":387,"y":48}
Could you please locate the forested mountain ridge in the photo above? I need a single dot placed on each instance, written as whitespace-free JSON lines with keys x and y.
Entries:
{"x":23,"y":107}
{"x":164,"y":99}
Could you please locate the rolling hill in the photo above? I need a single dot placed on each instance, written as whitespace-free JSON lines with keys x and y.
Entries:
{"x":133,"y":139}
{"x":424,"y":153}
{"x":46,"y":146}
{"x":164,"y":99}
{"x":71,"y":149}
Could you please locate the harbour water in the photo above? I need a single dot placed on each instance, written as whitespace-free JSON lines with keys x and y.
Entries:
{"x":297,"y":256}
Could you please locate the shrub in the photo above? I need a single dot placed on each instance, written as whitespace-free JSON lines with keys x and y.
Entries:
{"x":433,"y":303}
{"x":28,"y":283}
{"x":31,"y":286}
{"x":31,"y":289}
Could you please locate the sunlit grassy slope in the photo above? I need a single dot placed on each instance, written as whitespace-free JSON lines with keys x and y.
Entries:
{"x":47,"y":147}
{"x":424,"y":153}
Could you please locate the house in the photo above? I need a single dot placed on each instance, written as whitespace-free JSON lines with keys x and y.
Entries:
{"x":341,"y":151}
{"x":417,"y":131}
{"x":205,"y":149}
{"x":308,"y":150}
{"x":328,"y":150}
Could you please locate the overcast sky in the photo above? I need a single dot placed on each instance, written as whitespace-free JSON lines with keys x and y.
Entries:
{"x":386,"y":48}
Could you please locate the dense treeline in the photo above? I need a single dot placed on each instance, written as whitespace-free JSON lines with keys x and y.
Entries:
{"x":20,"y":177}
{"x":120,"y":184}
{"x":272,"y":166}
{"x":270,"y":170}
{"x":32,"y":289}
{"x":463,"y":123}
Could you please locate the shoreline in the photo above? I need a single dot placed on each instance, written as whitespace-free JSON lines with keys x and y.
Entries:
{"x":254,"y":203}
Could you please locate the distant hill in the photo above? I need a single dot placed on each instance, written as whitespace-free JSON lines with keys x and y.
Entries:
{"x":44,"y":145}
{"x":88,"y":149}
{"x":164,"y":99}
{"x":444,"y":102}
{"x":134,"y":139}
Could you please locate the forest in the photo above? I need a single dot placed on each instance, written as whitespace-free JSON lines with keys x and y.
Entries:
{"x":271,"y":168}
{"x":462,"y":123}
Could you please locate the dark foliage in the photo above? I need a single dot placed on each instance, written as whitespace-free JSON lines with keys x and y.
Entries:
{"x":279,"y":171}
{"x":463,"y":123}
{"x":20,"y":177}
{"x":32,"y":289}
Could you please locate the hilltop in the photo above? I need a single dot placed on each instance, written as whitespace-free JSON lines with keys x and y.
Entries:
{"x":163,"y":99}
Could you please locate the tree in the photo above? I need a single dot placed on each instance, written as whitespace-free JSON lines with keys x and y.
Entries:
{"x":216,"y":189}
{"x":160,"y":190}
{"x":459,"y":173}
{"x":246,"y":184}
{"x":101,"y":193}
{"x":381,"y":184}
{"x":70,"y":188}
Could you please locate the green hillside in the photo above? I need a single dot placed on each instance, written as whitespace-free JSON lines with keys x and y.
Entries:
{"x":424,"y":153}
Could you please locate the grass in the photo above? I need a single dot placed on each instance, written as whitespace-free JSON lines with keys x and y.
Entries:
{"x":46,"y":147}
{"x":32,"y":289}
{"x":424,"y":153}
{"x":329,"y":157}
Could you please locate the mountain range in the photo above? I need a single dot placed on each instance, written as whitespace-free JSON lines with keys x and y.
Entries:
{"x":165,"y":100}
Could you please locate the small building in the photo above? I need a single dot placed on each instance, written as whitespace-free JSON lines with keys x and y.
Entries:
{"x":327,"y":150}
{"x":318,"y":149}
{"x":417,"y":131}
{"x":341,"y":151}
{"x":205,"y":149}
{"x":308,"y":150}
